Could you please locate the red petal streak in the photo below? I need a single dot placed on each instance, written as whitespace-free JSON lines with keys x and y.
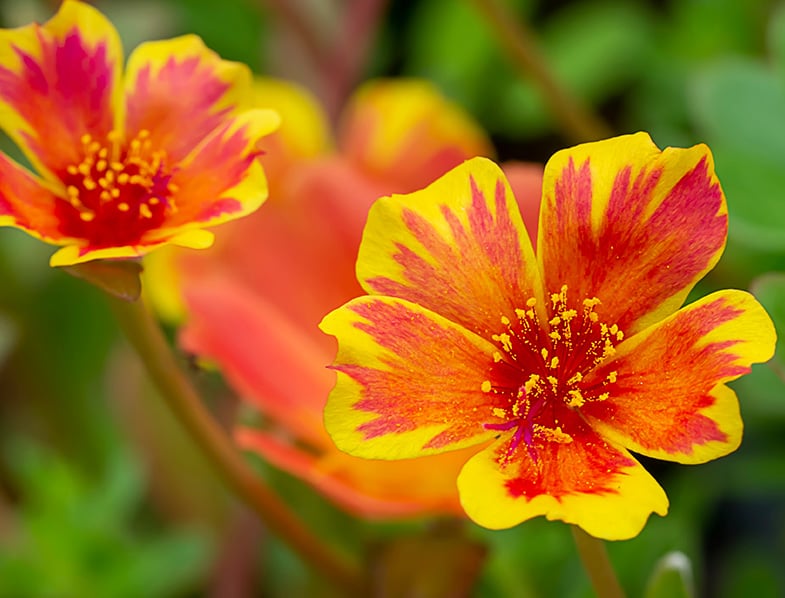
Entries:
{"x":667,"y":380}
{"x":633,"y":260}
{"x":218,"y":165}
{"x":587,"y":465}
{"x":430,"y":375}
{"x":177,"y":104}
{"x":61,"y":95}
{"x":473,"y":275}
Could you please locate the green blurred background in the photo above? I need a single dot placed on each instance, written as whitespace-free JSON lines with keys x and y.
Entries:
{"x":102,"y":495}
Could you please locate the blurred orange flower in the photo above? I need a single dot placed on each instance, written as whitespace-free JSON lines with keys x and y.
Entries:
{"x":125,"y":163}
{"x":254,"y":303}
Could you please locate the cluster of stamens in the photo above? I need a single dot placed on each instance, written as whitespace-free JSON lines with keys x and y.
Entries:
{"x":118,"y":186}
{"x":544,"y":364}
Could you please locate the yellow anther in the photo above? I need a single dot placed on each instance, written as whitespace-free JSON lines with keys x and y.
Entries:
{"x":73,"y":170}
{"x":123,"y":207}
{"x":89,"y":184}
{"x":612,"y":377}
{"x":531,"y":383}
{"x":87,"y":216}
{"x":544,"y":353}
{"x":154,"y":201}
{"x":603,"y":396}
{"x":575,"y":398}
{"x":105,"y":195}
{"x":100,"y":166}
{"x":500,"y":413}
{"x":123,"y":177}
{"x":555,"y":321}
{"x":553,"y":380}
{"x":505,"y":320}
{"x":84,"y":168}
{"x":554,"y":363}
{"x":497,"y":357}
{"x":85,"y":139}
{"x":531,"y":302}
{"x":504,"y":339}
{"x":577,"y":377}
{"x":117,"y":166}
{"x":144,"y":210}
{"x":486,"y":386}
{"x":555,"y":335}
{"x":115,"y":192}
{"x":72,"y":191}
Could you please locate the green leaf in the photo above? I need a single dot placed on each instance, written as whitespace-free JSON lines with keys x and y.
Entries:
{"x":672,"y":577}
{"x":740,"y":108}
{"x":770,"y":291}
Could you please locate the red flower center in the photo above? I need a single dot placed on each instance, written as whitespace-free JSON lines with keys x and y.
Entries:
{"x":118,"y":192}
{"x":541,"y":370}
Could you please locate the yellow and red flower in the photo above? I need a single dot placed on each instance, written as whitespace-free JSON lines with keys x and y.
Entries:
{"x":125,"y":163}
{"x":253,"y":303}
{"x":554,"y":365}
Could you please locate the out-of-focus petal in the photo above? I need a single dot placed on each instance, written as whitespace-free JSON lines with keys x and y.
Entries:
{"x":368,"y":488}
{"x":304,"y":133}
{"x":526,"y":183}
{"x":406,"y":132}
{"x":267,"y":359}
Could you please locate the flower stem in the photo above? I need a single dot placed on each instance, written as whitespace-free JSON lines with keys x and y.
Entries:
{"x":575,"y":119}
{"x":144,"y":333}
{"x":598,"y":566}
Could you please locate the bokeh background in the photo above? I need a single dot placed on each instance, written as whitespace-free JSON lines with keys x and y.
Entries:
{"x":101,"y":493}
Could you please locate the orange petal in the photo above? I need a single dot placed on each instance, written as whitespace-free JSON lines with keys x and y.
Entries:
{"x":405,"y":131}
{"x":458,"y":248}
{"x":179,"y":91}
{"x":268,"y":359}
{"x":669,"y":400}
{"x":526,"y":183}
{"x":587,"y":482}
{"x":364,"y":487}
{"x":26,"y":204}
{"x":409,"y":381}
{"x":304,"y":131}
{"x":58,"y":82}
{"x":631,"y":225}
{"x":221,"y":179}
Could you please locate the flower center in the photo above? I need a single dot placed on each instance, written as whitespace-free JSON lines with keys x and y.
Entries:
{"x":540,"y":371}
{"x":120,"y":190}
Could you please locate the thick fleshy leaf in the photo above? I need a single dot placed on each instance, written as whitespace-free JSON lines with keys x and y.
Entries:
{"x":26,"y":204}
{"x":631,"y":225}
{"x":366,"y":487}
{"x":58,"y":82}
{"x":406,"y":132}
{"x":179,"y":91}
{"x":587,"y":482}
{"x":669,"y":400}
{"x":221,"y":179}
{"x":409,"y":381}
{"x":458,"y":248}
